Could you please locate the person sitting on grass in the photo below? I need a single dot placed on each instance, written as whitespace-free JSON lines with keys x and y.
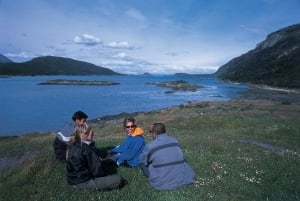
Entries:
{"x":62,"y":138}
{"x":128,"y":153}
{"x":163,"y":163}
{"x":85,"y":170}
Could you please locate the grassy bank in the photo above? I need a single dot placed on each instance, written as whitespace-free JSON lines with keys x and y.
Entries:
{"x":240,"y":150}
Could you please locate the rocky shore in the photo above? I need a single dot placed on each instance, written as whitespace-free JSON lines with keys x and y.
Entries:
{"x":179,"y":85}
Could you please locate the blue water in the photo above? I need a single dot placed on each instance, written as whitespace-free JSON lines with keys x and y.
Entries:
{"x":28,"y":107}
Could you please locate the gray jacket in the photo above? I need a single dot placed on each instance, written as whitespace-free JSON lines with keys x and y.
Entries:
{"x":162,"y":161}
{"x":66,"y":132}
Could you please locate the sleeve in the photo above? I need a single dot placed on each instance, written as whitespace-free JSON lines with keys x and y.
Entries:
{"x":133,"y":146}
{"x":144,"y":156}
{"x":144,"y":161}
{"x":120,"y":148}
{"x":69,"y":129}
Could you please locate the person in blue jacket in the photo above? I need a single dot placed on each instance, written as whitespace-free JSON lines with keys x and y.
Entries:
{"x":163,"y":163}
{"x":128,"y":153}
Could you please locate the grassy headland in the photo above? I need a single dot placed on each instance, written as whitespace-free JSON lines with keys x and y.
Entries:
{"x":240,"y":150}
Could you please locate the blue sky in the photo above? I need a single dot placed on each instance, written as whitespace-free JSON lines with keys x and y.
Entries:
{"x":138,"y":36}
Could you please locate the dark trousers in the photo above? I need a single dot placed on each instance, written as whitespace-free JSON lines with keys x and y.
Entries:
{"x":101,"y":183}
{"x":60,"y":149}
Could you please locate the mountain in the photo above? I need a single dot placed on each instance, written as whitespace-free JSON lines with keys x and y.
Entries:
{"x":275,"y":61}
{"x":50,"y":65}
{"x":4,"y":59}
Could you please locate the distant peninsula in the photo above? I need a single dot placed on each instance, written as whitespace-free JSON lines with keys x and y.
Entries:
{"x":50,"y":65}
{"x":178,"y":85}
{"x":77,"y":82}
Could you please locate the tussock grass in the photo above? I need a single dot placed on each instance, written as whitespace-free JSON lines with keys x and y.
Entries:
{"x":209,"y":133}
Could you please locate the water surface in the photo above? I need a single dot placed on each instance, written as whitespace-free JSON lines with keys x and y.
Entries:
{"x":28,"y":107}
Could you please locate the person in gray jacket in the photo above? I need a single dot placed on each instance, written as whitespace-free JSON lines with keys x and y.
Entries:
{"x":62,"y":138}
{"x":162,"y":161}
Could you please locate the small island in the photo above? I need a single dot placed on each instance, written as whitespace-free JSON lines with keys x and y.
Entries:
{"x":178,"y":85}
{"x":78,"y":82}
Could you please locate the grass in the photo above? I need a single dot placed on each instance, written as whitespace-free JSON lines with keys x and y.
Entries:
{"x":209,"y":132}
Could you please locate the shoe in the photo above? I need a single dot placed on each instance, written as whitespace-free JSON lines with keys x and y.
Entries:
{"x":123,"y":183}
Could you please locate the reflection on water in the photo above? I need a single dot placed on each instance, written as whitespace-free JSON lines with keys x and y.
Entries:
{"x":27,"y":106}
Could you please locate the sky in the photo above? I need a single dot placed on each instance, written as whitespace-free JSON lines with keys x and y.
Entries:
{"x":141,"y":36}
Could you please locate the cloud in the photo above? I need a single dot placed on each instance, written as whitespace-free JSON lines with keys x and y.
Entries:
{"x":136,"y":14}
{"x":21,"y":55}
{"x":87,"y":40}
{"x":120,"y":55}
{"x":120,"y":45}
{"x":122,"y":63}
{"x":173,"y":54}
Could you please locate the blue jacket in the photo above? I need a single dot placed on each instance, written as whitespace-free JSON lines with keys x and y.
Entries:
{"x":162,"y":161}
{"x":130,"y":150}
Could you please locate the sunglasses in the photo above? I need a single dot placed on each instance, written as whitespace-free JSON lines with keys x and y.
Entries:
{"x":133,"y":126}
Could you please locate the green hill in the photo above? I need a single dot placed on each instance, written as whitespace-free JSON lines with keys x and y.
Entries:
{"x":50,"y":65}
{"x":274,"y":62}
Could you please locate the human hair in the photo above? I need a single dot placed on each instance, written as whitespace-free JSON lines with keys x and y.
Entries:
{"x":158,"y":128}
{"x":77,"y":136}
{"x":129,"y":119}
{"x":83,"y":132}
{"x":79,"y":115}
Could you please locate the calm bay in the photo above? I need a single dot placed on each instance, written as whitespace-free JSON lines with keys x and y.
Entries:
{"x":29,"y":107}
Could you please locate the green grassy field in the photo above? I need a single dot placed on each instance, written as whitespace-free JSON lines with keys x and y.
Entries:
{"x":240,"y":150}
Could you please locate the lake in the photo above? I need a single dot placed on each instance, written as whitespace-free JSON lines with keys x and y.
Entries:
{"x":29,"y":107}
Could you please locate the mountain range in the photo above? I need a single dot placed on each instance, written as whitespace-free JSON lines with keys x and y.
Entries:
{"x":274,"y":62}
{"x":50,"y":65}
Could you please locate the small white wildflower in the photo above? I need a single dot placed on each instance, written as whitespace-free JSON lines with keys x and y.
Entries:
{"x":210,"y":195}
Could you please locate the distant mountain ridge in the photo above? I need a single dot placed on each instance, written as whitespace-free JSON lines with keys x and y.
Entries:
{"x":4,"y":59}
{"x":275,"y":61}
{"x":50,"y":65}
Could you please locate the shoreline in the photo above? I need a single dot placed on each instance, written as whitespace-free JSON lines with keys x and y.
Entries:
{"x":188,"y":110}
{"x":267,"y":87}
{"x":254,"y":92}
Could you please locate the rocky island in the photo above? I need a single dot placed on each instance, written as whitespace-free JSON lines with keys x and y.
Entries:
{"x":178,"y":85}
{"x":77,"y":82}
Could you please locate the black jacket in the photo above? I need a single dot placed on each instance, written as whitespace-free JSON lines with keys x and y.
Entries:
{"x":83,"y":163}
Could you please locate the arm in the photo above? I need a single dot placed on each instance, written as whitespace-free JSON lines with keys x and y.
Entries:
{"x":144,"y":161}
{"x":93,"y":162}
{"x":119,"y":149}
{"x":133,"y":146}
